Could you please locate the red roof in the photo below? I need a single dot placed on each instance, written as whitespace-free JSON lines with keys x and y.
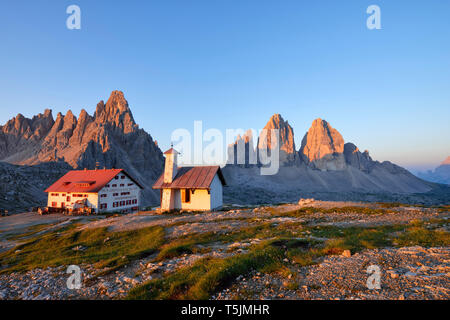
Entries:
{"x":171,"y":151}
{"x":192,"y":178}
{"x":86,"y":180}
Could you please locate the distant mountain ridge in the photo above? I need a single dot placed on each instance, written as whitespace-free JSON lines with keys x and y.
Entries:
{"x":111,"y":138}
{"x":440,"y":175}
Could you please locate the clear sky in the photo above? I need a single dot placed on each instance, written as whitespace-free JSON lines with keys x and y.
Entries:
{"x":234,"y":63}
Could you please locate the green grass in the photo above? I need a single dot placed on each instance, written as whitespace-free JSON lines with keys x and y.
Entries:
{"x":175,"y":249}
{"x":206,"y":276}
{"x":397,"y":205}
{"x":188,"y":244}
{"x":56,"y":248}
{"x":311,"y":210}
{"x":30,"y":231}
{"x":443,"y":208}
{"x":418,"y":234}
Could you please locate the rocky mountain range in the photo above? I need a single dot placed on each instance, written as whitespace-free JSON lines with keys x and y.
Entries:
{"x":440,"y":175}
{"x":251,"y":149}
{"x":323,"y":164}
{"x":35,"y":152}
{"x":110,"y":138}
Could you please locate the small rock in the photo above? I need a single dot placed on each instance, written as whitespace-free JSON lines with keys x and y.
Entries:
{"x":346,"y":253}
{"x":394,"y":275}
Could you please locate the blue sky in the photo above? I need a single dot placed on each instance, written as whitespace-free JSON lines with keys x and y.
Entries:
{"x":232,"y":64}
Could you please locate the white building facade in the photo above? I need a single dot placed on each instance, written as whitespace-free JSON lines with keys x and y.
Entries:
{"x":111,"y":190}
{"x":197,"y":188}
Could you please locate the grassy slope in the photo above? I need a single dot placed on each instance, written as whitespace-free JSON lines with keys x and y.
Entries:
{"x":98,"y":246}
{"x":209,"y":275}
{"x":281,"y":246}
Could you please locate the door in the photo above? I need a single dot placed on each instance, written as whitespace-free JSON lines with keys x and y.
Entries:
{"x":63,"y":205}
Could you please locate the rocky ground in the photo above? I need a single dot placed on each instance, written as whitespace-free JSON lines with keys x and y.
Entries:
{"x":407,"y":272}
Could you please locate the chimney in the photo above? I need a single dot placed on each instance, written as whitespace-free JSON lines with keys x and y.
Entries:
{"x":170,"y":169}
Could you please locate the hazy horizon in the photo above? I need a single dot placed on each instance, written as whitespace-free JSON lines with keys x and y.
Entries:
{"x":234,"y":64}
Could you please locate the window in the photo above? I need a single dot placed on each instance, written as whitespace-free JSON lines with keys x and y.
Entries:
{"x":85,"y":184}
{"x":114,"y":185}
{"x":116,"y":177}
{"x":130,"y":184}
{"x":103,"y":206}
{"x":186,"y":195}
{"x":63,"y":194}
{"x":134,"y":201}
{"x":103,"y":195}
{"x":122,"y":203}
{"x":68,"y":199}
{"x":124,"y":193}
{"x":122,"y":177}
{"x":122,"y":185}
{"x":54,"y":204}
{"x":107,"y":186}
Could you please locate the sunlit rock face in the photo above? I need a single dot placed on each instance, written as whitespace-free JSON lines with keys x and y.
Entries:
{"x":285,"y":143}
{"x":323,"y":147}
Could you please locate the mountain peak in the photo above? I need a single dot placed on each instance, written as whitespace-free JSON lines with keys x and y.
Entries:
{"x":47,"y":112}
{"x":323,"y":143}
{"x":116,"y":112}
{"x":117,"y":100}
{"x":69,"y":113}
{"x":286,"y":138}
{"x":276,"y":121}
